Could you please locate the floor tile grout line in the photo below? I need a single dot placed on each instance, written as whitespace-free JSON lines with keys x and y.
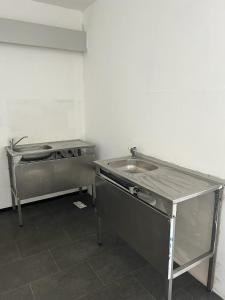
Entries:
{"x":14,"y":259}
{"x":189,"y":295}
{"x":99,"y":278}
{"x":52,"y":256}
{"x":114,"y":282}
{"x":21,"y":258}
{"x":18,"y":250}
{"x":34,"y":254}
{"x":116,"y":279}
{"x":63,"y":270}
{"x":86,"y":294}
{"x":13,"y":289}
{"x":85,"y":237}
{"x":55,"y":247}
{"x":44,"y":277}
{"x":105,"y":286}
{"x":105,"y":250}
{"x":57,"y":272}
{"x":32,"y":292}
{"x":80,"y":238}
{"x":29,"y":283}
{"x":73,"y":244}
{"x":67,"y":235}
{"x":21,"y":239}
{"x":125,"y":275}
{"x":68,"y":241}
{"x":174,"y":290}
{"x":142,"y":285}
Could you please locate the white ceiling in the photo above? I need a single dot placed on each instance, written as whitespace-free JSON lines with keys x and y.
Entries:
{"x":73,"y":4}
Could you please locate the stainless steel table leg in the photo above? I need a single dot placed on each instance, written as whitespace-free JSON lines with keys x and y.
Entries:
{"x":93,"y":194}
{"x":169,"y":287}
{"x":20,"y":212}
{"x":13,"y":200}
{"x":99,"y":233}
{"x":171,"y":252}
{"x":214,"y":239}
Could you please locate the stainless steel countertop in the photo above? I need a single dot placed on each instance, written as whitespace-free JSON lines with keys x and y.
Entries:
{"x":56,"y":146}
{"x":169,"y":181}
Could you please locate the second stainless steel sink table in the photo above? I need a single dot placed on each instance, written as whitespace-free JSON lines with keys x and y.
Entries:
{"x":45,"y":170}
{"x":168,"y":214}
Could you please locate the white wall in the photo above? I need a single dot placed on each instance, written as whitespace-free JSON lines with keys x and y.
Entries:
{"x":155,"y":78}
{"x":41,"y":90}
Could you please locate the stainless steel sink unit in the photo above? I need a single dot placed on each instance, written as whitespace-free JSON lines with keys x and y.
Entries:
{"x":144,"y":200}
{"x":47,"y":170}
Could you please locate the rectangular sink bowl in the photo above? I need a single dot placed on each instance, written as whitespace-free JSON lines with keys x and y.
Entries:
{"x":132,"y":165}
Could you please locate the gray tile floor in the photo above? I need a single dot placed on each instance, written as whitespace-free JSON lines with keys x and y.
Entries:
{"x":55,"y":256}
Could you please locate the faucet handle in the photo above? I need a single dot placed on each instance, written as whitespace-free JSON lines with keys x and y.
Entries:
{"x":133,"y":151}
{"x":132,"y":148}
{"x":10,"y":142}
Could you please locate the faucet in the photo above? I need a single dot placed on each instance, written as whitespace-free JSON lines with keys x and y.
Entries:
{"x":133,"y":151}
{"x":13,"y":143}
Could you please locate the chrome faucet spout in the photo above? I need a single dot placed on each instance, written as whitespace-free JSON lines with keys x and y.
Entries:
{"x":133,"y":151}
{"x":13,"y":143}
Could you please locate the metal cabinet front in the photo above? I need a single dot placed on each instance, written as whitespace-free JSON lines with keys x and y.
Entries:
{"x":52,"y":176}
{"x":143,"y":227}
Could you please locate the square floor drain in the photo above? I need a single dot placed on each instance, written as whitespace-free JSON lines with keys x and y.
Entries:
{"x":79,"y":204}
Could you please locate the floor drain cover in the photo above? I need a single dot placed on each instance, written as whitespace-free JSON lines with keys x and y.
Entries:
{"x":79,"y":204}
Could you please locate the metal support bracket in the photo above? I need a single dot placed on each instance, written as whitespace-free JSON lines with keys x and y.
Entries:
{"x":191,"y":264}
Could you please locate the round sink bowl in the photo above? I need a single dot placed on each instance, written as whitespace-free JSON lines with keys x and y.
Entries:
{"x":29,"y":148}
{"x":36,"y":152}
{"x":132,"y":165}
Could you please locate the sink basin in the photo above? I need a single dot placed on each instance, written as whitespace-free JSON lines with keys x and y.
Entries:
{"x":32,"y":148}
{"x":132,"y":165}
{"x":35,"y":152}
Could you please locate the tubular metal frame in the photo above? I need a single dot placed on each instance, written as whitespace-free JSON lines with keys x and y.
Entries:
{"x":211,"y":255}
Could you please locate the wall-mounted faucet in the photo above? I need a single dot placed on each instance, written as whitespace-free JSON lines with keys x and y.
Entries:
{"x":13,"y":143}
{"x":133,"y":151}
